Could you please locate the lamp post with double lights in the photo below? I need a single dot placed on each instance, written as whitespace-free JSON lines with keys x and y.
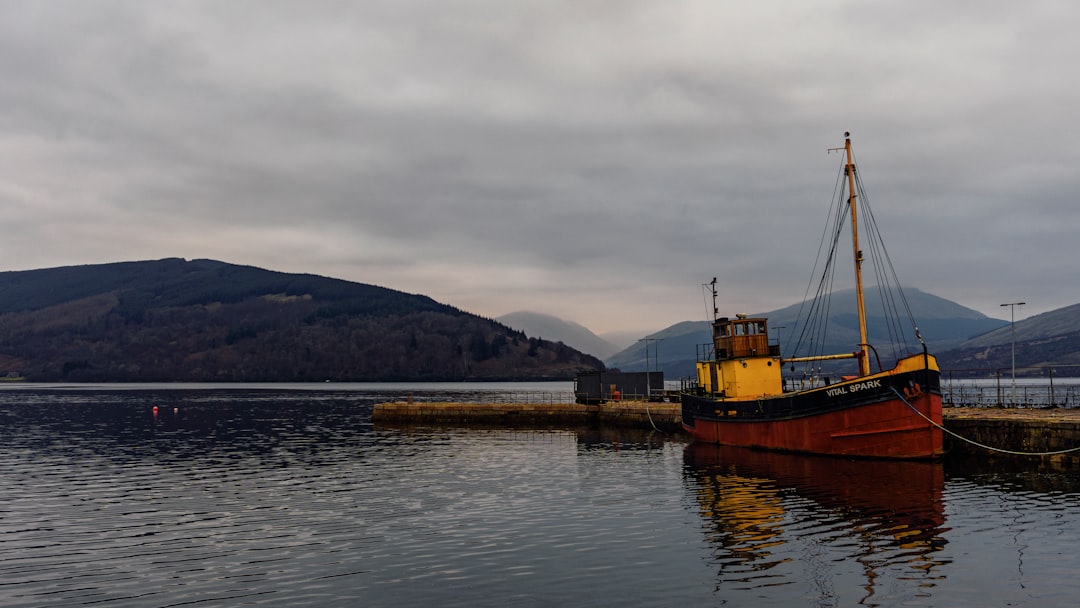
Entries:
{"x":648,"y":370}
{"x":1012,"y":328}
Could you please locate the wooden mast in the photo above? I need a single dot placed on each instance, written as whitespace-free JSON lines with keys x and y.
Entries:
{"x":864,"y":355}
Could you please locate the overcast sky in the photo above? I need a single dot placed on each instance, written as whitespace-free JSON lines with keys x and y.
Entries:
{"x":598,"y":160}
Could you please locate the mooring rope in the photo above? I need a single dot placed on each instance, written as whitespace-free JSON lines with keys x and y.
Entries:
{"x":976,"y":443}
{"x":650,"y":417}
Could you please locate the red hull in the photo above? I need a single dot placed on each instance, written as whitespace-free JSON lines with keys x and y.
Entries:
{"x":886,"y":429}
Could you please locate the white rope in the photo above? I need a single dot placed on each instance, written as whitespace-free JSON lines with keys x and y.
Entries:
{"x":650,"y":417}
{"x":976,"y":443}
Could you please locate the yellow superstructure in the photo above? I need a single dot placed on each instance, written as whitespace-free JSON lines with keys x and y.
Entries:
{"x":744,"y":365}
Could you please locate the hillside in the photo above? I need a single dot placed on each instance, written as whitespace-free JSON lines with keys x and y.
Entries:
{"x":1050,"y":339}
{"x":944,"y":325}
{"x":205,"y":321}
{"x":553,"y":328}
{"x":674,"y":352}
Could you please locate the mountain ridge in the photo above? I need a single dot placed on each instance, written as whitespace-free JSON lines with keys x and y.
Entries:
{"x":209,"y":321}
{"x":206,"y":320}
{"x":575,"y":335}
{"x":963,"y":339}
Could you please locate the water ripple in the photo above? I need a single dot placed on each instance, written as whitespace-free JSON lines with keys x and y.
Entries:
{"x":288,"y":500}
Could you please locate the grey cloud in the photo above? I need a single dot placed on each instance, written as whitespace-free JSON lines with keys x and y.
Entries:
{"x":597,"y":160}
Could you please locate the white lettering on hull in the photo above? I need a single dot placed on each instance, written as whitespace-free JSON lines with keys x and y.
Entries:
{"x":853,"y":388}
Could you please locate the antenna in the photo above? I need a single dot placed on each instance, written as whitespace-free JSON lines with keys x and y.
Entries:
{"x":715,"y":310}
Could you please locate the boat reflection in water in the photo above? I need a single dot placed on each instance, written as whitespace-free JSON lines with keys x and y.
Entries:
{"x":835,"y":531}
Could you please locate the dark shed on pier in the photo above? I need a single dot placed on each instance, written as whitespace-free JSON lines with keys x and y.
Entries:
{"x":600,"y":387}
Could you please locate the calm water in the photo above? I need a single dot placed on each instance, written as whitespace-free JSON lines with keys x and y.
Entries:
{"x":293,"y":498}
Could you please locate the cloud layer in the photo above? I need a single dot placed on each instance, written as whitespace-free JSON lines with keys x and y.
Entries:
{"x":595,"y":160}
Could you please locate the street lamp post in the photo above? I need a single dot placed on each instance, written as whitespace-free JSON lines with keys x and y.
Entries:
{"x":1012,"y":328}
{"x":656,"y":352}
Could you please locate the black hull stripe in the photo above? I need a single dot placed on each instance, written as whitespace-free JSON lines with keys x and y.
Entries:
{"x":835,"y":398}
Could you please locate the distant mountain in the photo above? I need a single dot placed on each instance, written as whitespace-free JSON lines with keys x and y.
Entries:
{"x":1054,"y":323}
{"x":944,"y":324}
{"x":204,"y":320}
{"x":1044,"y":341}
{"x":574,"y":335}
{"x":623,"y":339}
{"x":673,"y":350}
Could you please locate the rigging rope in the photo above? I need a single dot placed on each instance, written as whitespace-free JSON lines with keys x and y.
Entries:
{"x":813,"y":318}
{"x":976,"y":443}
{"x":808,"y":330}
{"x":886,"y":276}
{"x":814,"y":327}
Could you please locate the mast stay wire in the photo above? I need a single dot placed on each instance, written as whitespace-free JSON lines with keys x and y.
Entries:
{"x":812,"y":319}
{"x":814,"y":324}
{"x":887,"y":276}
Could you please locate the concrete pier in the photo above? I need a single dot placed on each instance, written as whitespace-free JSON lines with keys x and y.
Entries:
{"x":664,"y":416}
{"x":1029,"y":431}
{"x":1008,"y":429}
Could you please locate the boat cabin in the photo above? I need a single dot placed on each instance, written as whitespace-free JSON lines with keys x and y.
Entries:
{"x":745,"y":364}
{"x":742,"y":337}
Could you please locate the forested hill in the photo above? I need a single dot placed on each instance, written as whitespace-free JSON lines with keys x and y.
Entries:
{"x":206,"y":321}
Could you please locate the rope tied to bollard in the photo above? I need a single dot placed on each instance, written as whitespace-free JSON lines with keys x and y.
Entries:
{"x":647,"y":413}
{"x":976,"y":443}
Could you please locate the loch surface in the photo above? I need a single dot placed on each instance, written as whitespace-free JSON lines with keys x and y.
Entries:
{"x":290,"y":496}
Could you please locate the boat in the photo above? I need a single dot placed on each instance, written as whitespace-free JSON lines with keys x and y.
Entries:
{"x":741,"y":398}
